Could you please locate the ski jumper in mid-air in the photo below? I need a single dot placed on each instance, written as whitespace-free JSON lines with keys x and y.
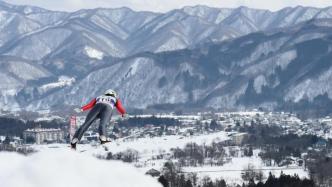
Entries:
{"x":101,"y":108}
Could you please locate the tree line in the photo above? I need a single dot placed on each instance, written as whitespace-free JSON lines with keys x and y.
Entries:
{"x":172,"y":176}
{"x":15,"y":127}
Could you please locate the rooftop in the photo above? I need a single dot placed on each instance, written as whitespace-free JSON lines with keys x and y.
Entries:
{"x":41,"y":130}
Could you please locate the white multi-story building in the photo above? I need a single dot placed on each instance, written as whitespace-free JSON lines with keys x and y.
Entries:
{"x":40,"y":135}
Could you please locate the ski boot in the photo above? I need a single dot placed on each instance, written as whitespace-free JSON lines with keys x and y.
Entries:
{"x":104,"y":139}
{"x":73,"y":143}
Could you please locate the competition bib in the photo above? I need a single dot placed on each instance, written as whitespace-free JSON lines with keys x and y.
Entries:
{"x":106,"y":99}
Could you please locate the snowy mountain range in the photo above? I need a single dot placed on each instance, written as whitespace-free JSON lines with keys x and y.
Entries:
{"x":191,"y":57}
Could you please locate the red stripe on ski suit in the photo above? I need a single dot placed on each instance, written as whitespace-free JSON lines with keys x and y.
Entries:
{"x":119,"y":107}
{"x":89,"y":105}
{"x":93,"y":102}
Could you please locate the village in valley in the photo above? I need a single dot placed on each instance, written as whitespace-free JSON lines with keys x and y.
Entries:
{"x":231,"y":146}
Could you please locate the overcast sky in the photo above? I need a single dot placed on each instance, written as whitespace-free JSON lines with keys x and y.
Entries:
{"x":166,"y":5}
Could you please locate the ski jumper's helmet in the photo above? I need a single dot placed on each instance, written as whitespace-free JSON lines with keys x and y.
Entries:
{"x":111,"y":92}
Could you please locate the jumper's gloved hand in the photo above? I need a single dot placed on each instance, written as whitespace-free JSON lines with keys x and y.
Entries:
{"x":125,"y":116}
{"x":78,"y":110}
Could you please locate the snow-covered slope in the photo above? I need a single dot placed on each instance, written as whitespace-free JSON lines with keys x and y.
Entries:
{"x":68,"y":168}
{"x":254,"y":70}
{"x":121,"y":32}
{"x":15,"y":74}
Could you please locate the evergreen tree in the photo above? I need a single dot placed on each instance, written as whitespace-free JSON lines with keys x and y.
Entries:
{"x":213,"y":125}
{"x":252,"y":183}
{"x":250,"y":152}
{"x":7,"y":140}
{"x":163,"y":181}
{"x":182,"y":181}
{"x":221,"y":183}
{"x":260,"y":184}
{"x":188,"y":183}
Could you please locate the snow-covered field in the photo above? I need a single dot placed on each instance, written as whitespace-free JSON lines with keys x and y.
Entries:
{"x":151,"y":147}
{"x":145,"y":146}
{"x":231,"y":172}
{"x":62,"y":82}
{"x":94,"y":53}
